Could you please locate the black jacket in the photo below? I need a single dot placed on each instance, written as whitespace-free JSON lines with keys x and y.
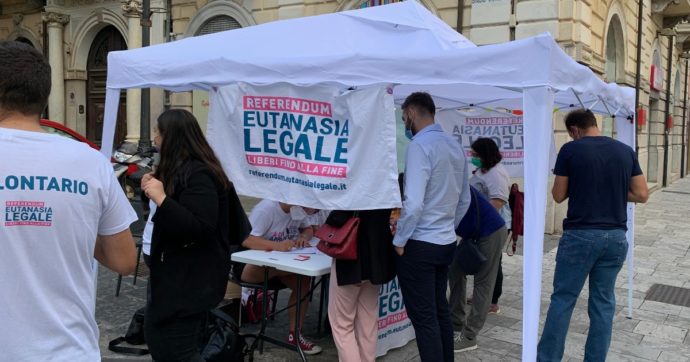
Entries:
{"x":375,"y":254}
{"x":190,"y":256}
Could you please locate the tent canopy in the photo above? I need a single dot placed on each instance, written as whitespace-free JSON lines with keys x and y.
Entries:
{"x":402,"y":44}
{"x":348,"y":48}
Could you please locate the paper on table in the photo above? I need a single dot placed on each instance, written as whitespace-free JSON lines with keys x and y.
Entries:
{"x":307,"y":250}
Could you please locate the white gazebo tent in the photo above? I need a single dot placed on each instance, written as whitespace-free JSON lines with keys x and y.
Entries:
{"x":405,"y":45}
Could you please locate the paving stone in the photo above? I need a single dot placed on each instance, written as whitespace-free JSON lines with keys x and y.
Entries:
{"x":637,"y":352}
{"x":672,"y":356}
{"x":504,"y":334}
{"x":652,"y":342}
{"x":671,"y":333}
{"x":617,"y":357}
{"x":646,"y":328}
{"x":498,"y":346}
{"x":623,"y":323}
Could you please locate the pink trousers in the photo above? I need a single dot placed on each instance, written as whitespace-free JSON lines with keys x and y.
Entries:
{"x":353,"y":313}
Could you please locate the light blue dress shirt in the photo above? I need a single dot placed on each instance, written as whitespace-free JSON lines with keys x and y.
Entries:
{"x":437,"y":191}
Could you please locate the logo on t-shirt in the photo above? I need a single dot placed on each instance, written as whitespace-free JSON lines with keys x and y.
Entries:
{"x":28,"y":213}
{"x":278,"y":236}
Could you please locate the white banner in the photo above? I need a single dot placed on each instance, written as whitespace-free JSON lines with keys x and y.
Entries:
{"x":310,"y":146}
{"x":395,"y":328}
{"x":504,"y":129}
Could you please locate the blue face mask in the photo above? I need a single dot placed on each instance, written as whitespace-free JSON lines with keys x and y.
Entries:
{"x":408,"y":133}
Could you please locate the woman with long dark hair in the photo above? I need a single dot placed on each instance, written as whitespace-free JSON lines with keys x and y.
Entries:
{"x":189,"y":246}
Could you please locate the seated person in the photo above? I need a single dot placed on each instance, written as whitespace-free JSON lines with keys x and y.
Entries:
{"x":317,"y":218}
{"x":281,"y":227}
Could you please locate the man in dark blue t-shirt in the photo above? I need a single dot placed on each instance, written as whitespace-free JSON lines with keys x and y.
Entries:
{"x":598,"y":176}
{"x":492,"y":234}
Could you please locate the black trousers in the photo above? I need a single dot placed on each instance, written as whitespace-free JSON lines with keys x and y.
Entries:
{"x":177,"y":340}
{"x":423,"y":276}
{"x":498,"y":287}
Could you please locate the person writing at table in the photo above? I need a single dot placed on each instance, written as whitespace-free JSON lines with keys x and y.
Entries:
{"x":280,"y":227}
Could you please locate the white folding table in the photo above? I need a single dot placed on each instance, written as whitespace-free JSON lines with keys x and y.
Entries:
{"x":308,"y":261}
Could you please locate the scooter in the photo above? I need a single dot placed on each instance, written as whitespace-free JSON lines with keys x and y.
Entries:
{"x":131,"y":164}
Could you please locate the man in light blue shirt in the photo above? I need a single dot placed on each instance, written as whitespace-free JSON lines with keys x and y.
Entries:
{"x":437,"y":195}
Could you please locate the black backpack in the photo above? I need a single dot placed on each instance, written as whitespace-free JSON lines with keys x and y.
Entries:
{"x":224,"y":341}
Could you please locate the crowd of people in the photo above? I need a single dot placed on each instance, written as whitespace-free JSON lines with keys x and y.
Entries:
{"x":51,"y":235}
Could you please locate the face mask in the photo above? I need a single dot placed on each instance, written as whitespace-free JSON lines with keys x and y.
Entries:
{"x":408,"y":133}
{"x":297,"y":213}
{"x":476,"y":161}
{"x":408,"y":129}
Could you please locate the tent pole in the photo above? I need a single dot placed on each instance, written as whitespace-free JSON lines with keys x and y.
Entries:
{"x":607,"y":107}
{"x":578,"y":98}
{"x":538,"y":133}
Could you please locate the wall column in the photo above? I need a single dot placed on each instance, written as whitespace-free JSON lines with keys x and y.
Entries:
{"x":56,"y":99}
{"x":132,"y":9}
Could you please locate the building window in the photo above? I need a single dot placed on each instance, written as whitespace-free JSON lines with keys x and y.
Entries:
{"x":615,"y":52}
{"x":371,"y":3}
{"x":217,"y":24}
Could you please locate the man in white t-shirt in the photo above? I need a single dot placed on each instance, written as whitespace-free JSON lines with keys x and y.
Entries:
{"x":61,"y":206}
{"x":281,"y":227}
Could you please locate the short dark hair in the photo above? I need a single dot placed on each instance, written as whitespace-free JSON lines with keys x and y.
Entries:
{"x":422,"y":101}
{"x":24,"y":79}
{"x":487,"y":151}
{"x":580,"y":118}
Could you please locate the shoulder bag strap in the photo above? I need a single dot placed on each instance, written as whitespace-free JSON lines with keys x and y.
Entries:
{"x":475,"y":237}
{"x":114,"y":346}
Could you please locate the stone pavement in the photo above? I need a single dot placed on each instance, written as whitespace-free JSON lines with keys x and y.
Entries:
{"x":657,"y":331}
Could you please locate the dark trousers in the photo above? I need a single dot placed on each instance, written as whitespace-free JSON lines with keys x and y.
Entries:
{"x":423,"y":277}
{"x":176,"y":340}
{"x":491,"y":246}
{"x":498,"y":287}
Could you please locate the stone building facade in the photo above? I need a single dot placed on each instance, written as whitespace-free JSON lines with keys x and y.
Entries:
{"x":602,"y":34}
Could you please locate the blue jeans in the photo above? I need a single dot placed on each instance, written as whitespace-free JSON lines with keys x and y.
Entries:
{"x":598,"y":254}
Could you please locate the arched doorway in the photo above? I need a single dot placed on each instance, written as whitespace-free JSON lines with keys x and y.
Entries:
{"x":614,"y":67}
{"x":106,"y":40}
{"x":655,"y":130}
{"x":676,"y":137}
{"x":24,"y":40}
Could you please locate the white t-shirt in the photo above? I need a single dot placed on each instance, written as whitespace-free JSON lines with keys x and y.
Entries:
{"x":148,"y":229}
{"x":56,"y":196}
{"x":495,"y":184}
{"x":318,"y":218}
{"x":270,"y":222}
